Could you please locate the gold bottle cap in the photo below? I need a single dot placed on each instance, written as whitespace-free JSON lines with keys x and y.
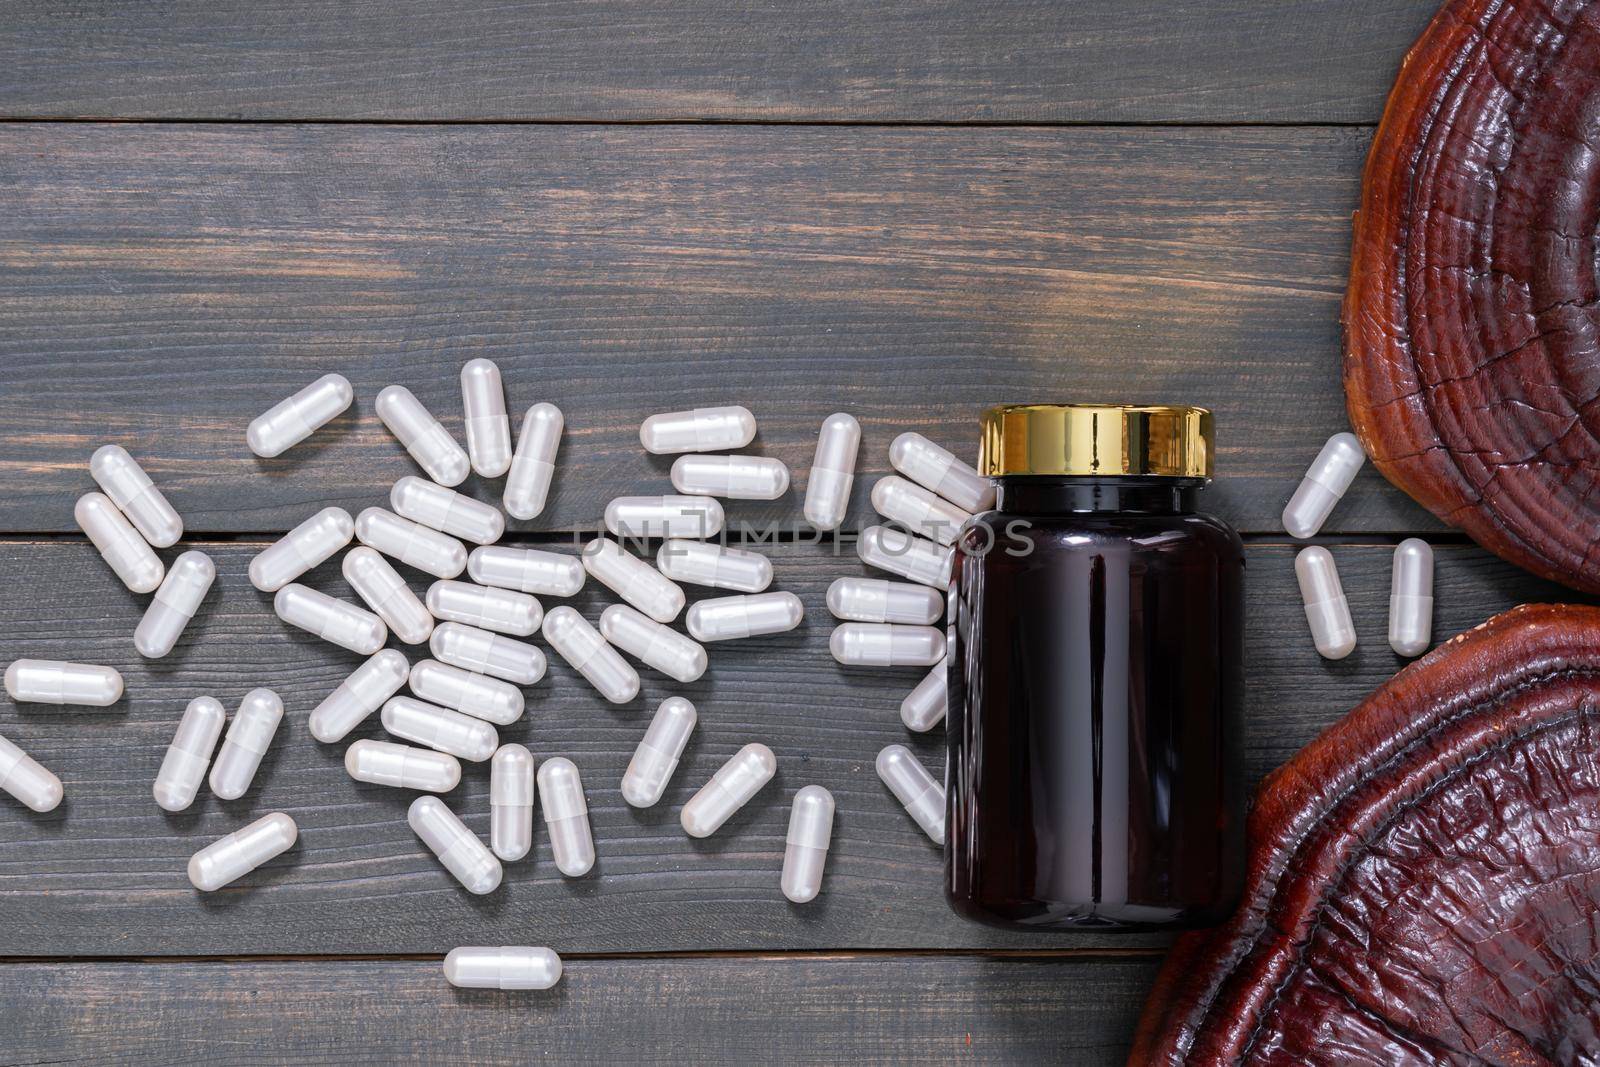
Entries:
{"x":1096,"y":439}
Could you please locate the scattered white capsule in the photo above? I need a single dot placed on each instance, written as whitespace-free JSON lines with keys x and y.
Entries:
{"x":231,"y":858}
{"x":26,"y":779}
{"x":898,"y":552}
{"x":566,"y":816}
{"x":483,"y":397}
{"x":1411,"y":598}
{"x":501,"y":610}
{"x":489,"y":699}
{"x":508,"y":967}
{"x":878,"y":600}
{"x":1325,"y":482}
{"x":291,"y":421}
{"x":446,"y":510}
{"x":729,"y":789}
{"x":924,"y":707}
{"x":411,"y":543}
{"x":915,"y":788}
{"x":882,"y":644}
{"x":331,"y":619}
{"x":120,"y":545}
{"x":254,"y":725}
{"x":429,"y":443}
{"x":131,"y":490}
{"x":387,"y":594}
{"x":805,"y":851}
{"x":358,"y":696}
{"x":1326,"y":608}
{"x":586,"y":652}
{"x":936,"y":468}
{"x":174,"y":604}
{"x":664,"y":516}
{"x":302,"y":548}
{"x":488,"y":653}
{"x":526,"y":570}
{"x":50,"y":681}
{"x":919,"y":510}
{"x":184,"y":766}
{"x":528,"y":484}
{"x":511,"y":802}
{"x":457,"y":847}
{"x":440,"y":728}
{"x":655,"y":645}
{"x":658,"y":753}
{"x":633,"y":579}
{"x":401,"y":766}
{"x":708,"y":563}
{"x":734,"y":477}
{"x":833,"y":471}
{"x":729,"y":617}
{"x":700,"y":430}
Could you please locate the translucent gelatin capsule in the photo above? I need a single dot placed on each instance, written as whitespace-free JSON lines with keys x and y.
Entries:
{"x":897,"y":552}
{"x":586,"y":652}
{"x":184,"y":766}
{"x":501,"y":610}
{"x":707,"y":563}
{"x":664,"y":516}
{"x":918,"y":509}
{"x":387,"y":594}
{"x":633,"y":579}
{"x":915,"y":788}
{"x":302,"y":548}
{"x":877,"y":600}
{"x":174,"y":604}
{"x":440,"y":728}
{"x":734,"y":477}
{"x":411,"y":543}
{"x":1411,"y":598}
{"x":511,"y":802}
{"x":120,"y":545}
{"x":488,"y":653}
{"x":26,"y":779}
{"x":881,"y":644}
{"x":729,"y":790}
{"x":936,"y":468}
{"x":805,"y":851}
{"x":131,"y":490}
{"x":566,"y":816}
{"x":528,"y":484}
{"x":526,"y":570}
{"x":291,"y":421}
{"x":700,"y":430}
{"x":658,"y":753}
{"x":457,"y":847}
{"x":358,"y":696}
{"x":401,"y":766}
{"x":833,"y":471}
{"x":446,"y":510}
{"x":489,"y":699}
{"x":650,"y":642}
{"x":729,"y":617}
{"x":331,"y":619}
{"x":254,"y":725}
{"x":1325,"y":482}
{"x":508,"y":967}
{"x":483,"y":397}
{"x":230,"y":858}
{"x":1326,"y":608}
{"x":51,"y":681}
{"x":924,"y":707}
{"x":429,"y":443}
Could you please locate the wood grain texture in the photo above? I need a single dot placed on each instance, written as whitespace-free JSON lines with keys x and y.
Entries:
{"x":833,"y":60}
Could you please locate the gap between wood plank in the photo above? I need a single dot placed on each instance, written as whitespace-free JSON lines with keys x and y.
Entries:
{"x":1006,"y":124}
{"x":1085,"y":954}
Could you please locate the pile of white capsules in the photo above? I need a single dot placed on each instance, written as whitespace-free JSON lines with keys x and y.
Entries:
{"x":471,"y":685}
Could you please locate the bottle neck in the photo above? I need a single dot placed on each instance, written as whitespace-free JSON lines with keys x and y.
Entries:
{"x":1128,"y":495}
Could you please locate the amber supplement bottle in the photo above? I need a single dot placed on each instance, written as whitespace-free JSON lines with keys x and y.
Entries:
{"x":1095,"y":677}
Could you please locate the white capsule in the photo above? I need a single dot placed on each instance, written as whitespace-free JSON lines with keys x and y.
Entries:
{"x":920,"y":510}
{"x":655,"y":645}
{"x":446,"y":510}
{"x":805,"y":851}
{"x":924,"y":707}
{"x":734,"y":477}
{"x":881,"y":644}
{"x":832,"y":471}
{"x":878,"y":600}
{"x":387,"y":594}
{"x":489,"y":699}
{"x":566,"y":816}
{"x":483,"y":397}
{"x":526,"y":570}
{"x":457,"y":847}
{"x":1325,"y":482}
{"x":898,"y":552}
{"x":511,"y":802}
{"x":249,"y":737}
{"x":729,"y":789}
{"x":658,"y":753}
{"x":174,"y":604}
{"x":586,"y":652}
{"x":440,"y":728}
{"x":331,"y":619}
{"x":130,"y":489}
{"x":501,"y":610}
{"x":730,"y":617}
{"x":50,"y":681}
{"x":936,"y":468}
{"x":401,"y":766}
{"x":120,"y":545}
{"x":508,"y":967}
{"x":664,"y":516}
{"x":915,"y":788}
{"x":1411,"y":598}
{"x":184,"y":766}
{"x":302,"y":548}
{"x":528,"y":484}
{"x":633,"y":579}
{"x":1326,"y":609}
{"x":231,"y":858}
{"x":708,"y":563}
{"x":700,"y":430}
{"x":358,"y":696}
{"x":429,"y":443}
{"x":488,"y":653}
{"x":291,"y":421}
{"x":26,"y":779}
{"x":411,"y":543}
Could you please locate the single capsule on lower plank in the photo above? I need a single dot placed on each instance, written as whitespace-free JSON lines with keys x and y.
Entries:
{"x":707,"y":563}
{"x":511,"y":802}
{"x":308,"y":544}
{"x":832,"y":471}
{"x":653,"y":644}
{"x":528,"y":484}
{"x":26,"y":779}
{"x":122,"y":479}
{"x":502,"y":610}
{"x":734,"y":477}
{"x":461,"y":690}
{"x":483,"y":400}
{"x":730,"y":788}
{"x":900,"y":553}
{"x":188,"y":757}
{"x":1326,"y":608}
{"x":254,"y":725}
{"x":446,"y":510}
{"x":331,"y":619}
{"x":664,"y":516}
{"x":50,"y":681}
{"x":658,"y":753}
{"x":488,"y":653}
{"x":119,"y":544}
{"x":457,"y":847}
{"x":878,"y":600}
{"x":566,"y":816}
{"x":881,"y":644}
{"x":292,"y":420}
{"x":924,"y":707}
{"x":185,"y":586}
{"x":915,"y":788}
{"x":936,"y":468}
{"x":429,"y":443}
{"x":401,"y":766}
{"x":586,"y":652}
{"x":730,"y":617}
{"x":231,"y":858}
{"x":358,"y":696}
{"x":508,"y":967}
{"x":805,"y":853}
{"x":411,"y":543}
{"x":441,"y":729}
{"x":1324,"y":484}
{"x":526,"y":570}
{"x":387,"y":594}
{"x":920,"y":510}
{"x":633,"y":579}
{"x":698,"y":430}
{"x":1411,"y":598}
